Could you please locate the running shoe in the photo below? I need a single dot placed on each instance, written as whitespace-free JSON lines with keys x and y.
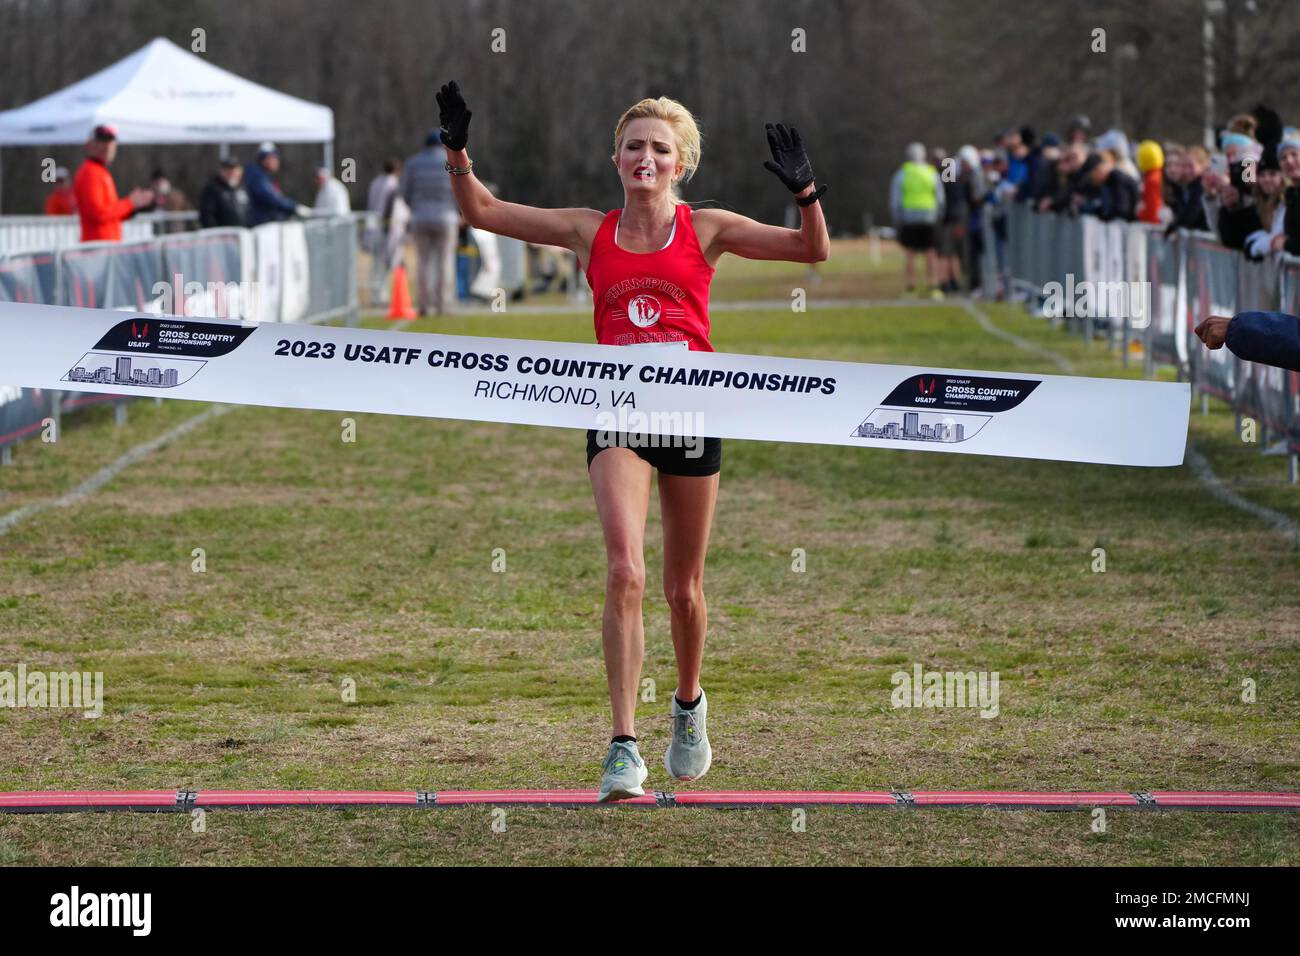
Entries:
{"x":625,"y":771}
{"x":688,"y":755}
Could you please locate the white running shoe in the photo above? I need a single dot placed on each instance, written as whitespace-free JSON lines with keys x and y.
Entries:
{"x":689,"y":755}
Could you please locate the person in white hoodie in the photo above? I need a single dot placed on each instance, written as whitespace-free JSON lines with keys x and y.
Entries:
{"x":331,"y":195}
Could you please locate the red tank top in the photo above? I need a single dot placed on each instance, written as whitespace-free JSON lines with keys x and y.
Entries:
{"x":658,"y":296}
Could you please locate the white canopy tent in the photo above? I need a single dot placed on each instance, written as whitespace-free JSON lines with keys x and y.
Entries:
{"x":164,"y":94}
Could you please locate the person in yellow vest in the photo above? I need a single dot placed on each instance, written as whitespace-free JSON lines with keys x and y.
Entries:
{"x":916,"y":202}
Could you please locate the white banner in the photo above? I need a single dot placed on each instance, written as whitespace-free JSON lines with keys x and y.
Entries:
{"x":661,"y":391}
{"x":295,"y":287}
{"x":269,"y":273}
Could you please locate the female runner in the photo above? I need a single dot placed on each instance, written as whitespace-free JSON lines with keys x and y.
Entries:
{"x":649,"y":265}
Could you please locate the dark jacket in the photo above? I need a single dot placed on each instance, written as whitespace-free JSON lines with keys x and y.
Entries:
{"x":269,"y":204}
{"x":1269,"y":338}
{"x":1041,"y":178}
{"x":221,"y":204}
{"x":1237,"y":223}
{"x":955,"y":208}
{"x":1184,"y":201}
{"x":1117,"y":198}
{"x":1061,"y":191}
{"x":1291,"y":225}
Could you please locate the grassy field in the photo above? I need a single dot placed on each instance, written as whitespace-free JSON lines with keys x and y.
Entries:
{"x":372,"y":562}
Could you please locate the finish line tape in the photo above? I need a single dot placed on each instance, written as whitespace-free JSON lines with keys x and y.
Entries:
{"x":185,"y":801}
{"x":653,"y":391}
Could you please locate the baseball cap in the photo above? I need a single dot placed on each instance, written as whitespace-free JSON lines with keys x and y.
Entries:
{"x":229,"y":162}
{"x":104,"y":133}
{"x":266,"y":149}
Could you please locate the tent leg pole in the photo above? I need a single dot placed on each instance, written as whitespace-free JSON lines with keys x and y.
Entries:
{"x":328,"y":157}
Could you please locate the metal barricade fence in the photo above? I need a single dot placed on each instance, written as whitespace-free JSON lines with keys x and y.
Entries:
{"x":216,"y":273}
{"x":1289,"y":302}
{"x":20,"y":234}
{"x":1183,"y":278}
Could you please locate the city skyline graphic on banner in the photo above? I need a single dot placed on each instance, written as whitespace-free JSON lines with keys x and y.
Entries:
{"x":152,"y":370}
{"x":942,"y":427}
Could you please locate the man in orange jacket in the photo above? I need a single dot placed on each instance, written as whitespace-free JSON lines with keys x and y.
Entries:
{"x":98,"y":204}
{"x":62,"y":201}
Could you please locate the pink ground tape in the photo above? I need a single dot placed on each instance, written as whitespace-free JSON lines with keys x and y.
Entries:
{"x":49,"y":801}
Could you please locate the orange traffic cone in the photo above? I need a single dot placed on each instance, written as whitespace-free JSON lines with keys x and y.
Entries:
{"x":401,"y":295}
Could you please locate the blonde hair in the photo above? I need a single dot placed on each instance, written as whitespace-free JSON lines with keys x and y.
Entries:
{"x":685,"y":131}
{"x":1243,"y":123}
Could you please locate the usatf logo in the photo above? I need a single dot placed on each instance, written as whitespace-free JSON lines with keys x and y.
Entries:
{"x":140,"y":333}
{"x":644,"y":310}
{"x":960,"y":392}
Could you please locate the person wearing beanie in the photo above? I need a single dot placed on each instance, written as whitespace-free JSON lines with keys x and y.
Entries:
{"x":1115,"y":141}
{"x":1079,"y":130}
{"x":1151,"y":164}
{"x":269,"y":203}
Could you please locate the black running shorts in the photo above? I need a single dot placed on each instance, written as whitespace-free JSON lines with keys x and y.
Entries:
{"x":667,"y":453}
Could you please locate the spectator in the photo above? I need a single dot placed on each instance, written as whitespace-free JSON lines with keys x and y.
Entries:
{"x":1151,"y":164}
{"x":1199,"y":158}
{"x":1251,"y":225}
{"x":1288,"y":155}
{"x":1079,"y":131}
{"x":975,"y":193}
{"x":1042,"y":170}
{"x":269,"y":204}
{"x":426,"y":188}
{"x":916,"y":201}
{"x":1013,"y":143}
{"x":379,"y":206}
{"x":168,"y":199}
{"x":1069,"y":180}
{"x":950,"y":233}
{"x":1183,"y":192}
{"x":1238,"y":146}
{"x":1115,"y":141}
{"x":1113,"y":194}
{"x":98,"y":205}
{"x":332,"y":197}
{"x":224,"y":200}
{"x":1244,"y":124}
{"x":62,"y":201}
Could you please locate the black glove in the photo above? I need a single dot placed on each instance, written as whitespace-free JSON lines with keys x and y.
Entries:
{"x":791,"y":164}
{"x":453,"y":117}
